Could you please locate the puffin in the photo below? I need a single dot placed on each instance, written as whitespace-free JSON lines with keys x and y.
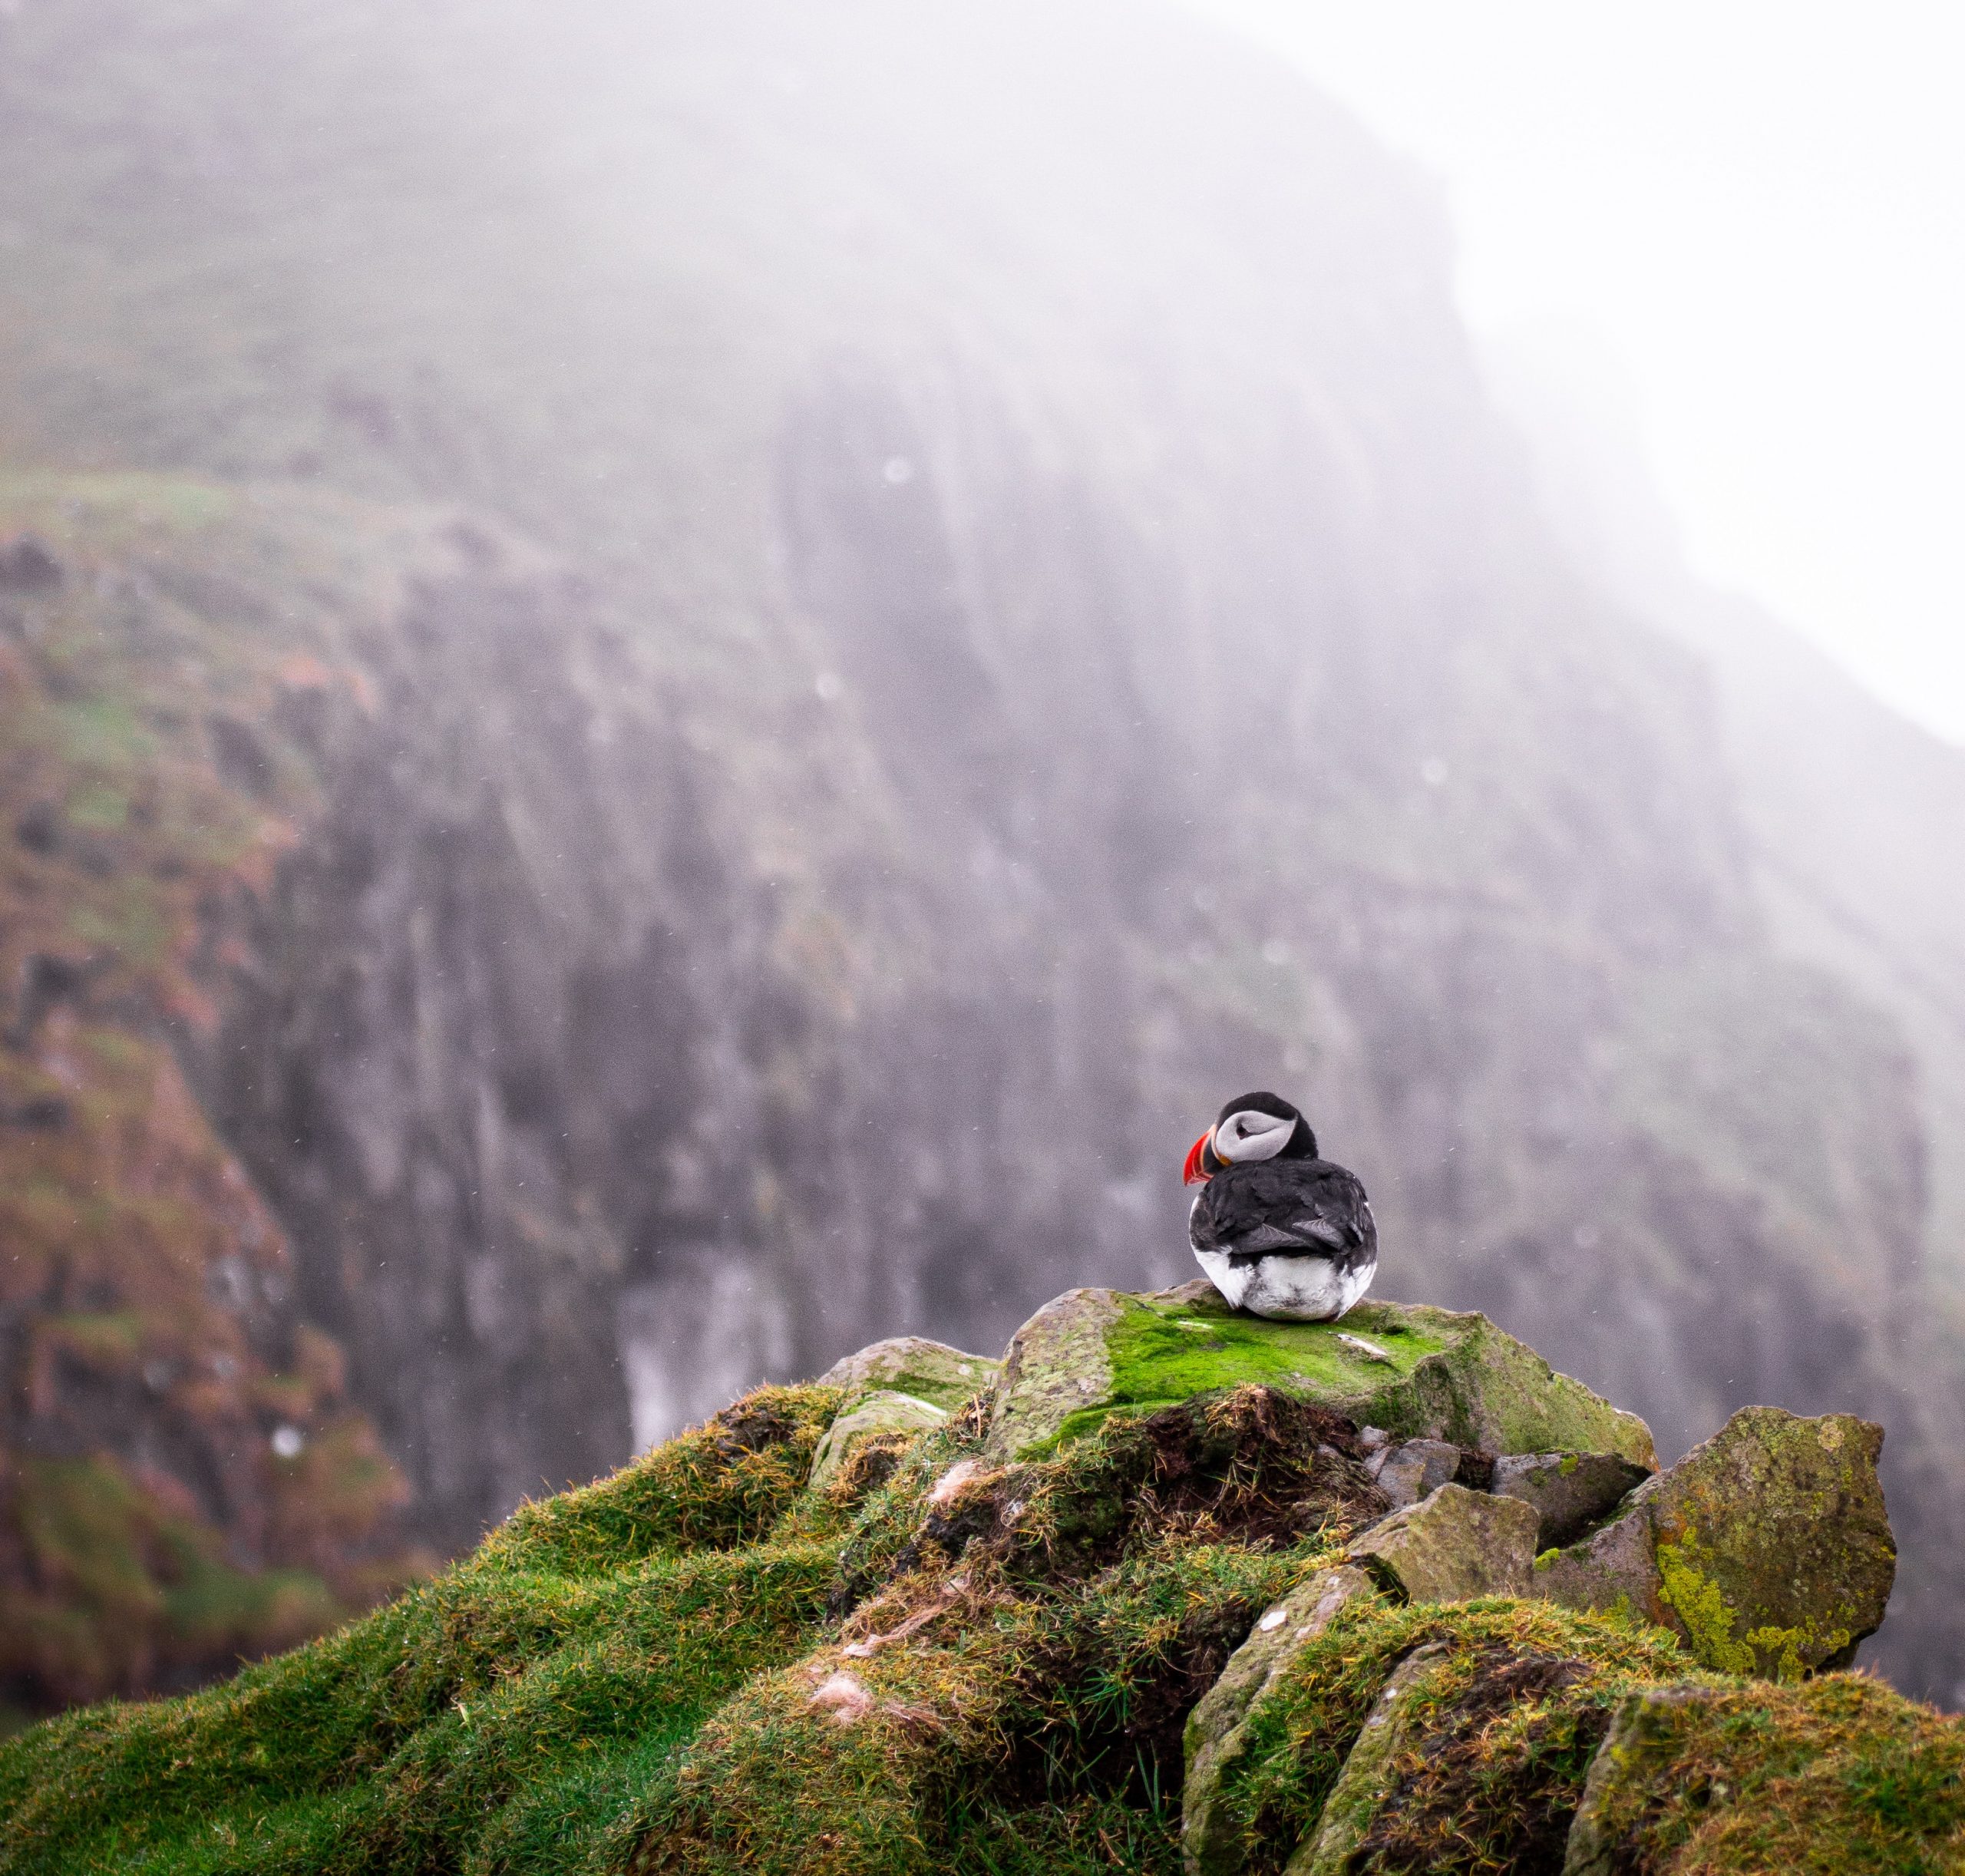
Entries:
{"x":1280,"y":1232}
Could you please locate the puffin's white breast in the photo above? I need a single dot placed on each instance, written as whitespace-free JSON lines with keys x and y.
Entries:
{"x":1294,"y":1289}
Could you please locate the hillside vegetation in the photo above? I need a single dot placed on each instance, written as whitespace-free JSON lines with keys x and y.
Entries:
{"x":183,"y":1475}
{"x":979,"y":1647}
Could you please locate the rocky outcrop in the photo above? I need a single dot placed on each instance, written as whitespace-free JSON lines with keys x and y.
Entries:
{"x":756,"y":1648}
{"x":1419,"y":1373}
{"x":1767,"y":1549}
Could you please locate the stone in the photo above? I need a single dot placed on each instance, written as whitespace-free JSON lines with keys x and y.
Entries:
{"x":1427,"y":1374}
{"x":1572,"y":1491}
{"x":1767,"y":1549}
{"x":1058,"y":1366}
{"x":1453,"y":1545}
{"x":929,"y":1371}
{"x":1407,"y":1471}
{"x":885,"y":1412}
{"x":1212,"y":1839}
{"x":1365,"y":1782}
{"x":1637,"y":1761}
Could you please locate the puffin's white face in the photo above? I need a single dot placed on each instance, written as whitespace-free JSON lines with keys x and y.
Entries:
{"x":1248,"y":1135}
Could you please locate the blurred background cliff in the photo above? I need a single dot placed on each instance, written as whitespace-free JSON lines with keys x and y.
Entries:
{"x":681,"y":684}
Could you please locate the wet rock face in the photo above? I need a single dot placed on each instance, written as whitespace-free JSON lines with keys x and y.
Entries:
{"x":1767,"y":1549}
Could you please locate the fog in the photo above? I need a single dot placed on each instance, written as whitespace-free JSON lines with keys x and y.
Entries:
{"x":689,"y":684}
{"x":1740,"y":222}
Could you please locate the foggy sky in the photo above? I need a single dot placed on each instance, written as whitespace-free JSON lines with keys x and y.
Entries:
{"x":1754,"y":209}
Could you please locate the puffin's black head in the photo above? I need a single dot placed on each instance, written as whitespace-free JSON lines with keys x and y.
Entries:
{"x":1251,"y":1126}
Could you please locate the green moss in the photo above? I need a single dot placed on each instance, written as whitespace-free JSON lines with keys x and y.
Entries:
{"x":1060,"y":1704}
{"x":934,"y":1383}
{"x":1773,"y":1653}
{"x":418,"y":1724}
{"x":1298,"y":1737}
{"x":724,"y":1483}
{"x":1414,"y":1371}
{"x":644,"y":1676}
{"x":1839,"y":1777}
{"x":1162,"y":1353}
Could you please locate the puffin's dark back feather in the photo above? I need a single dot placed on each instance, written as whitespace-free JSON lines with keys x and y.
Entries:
{"x":1263,"y":1205}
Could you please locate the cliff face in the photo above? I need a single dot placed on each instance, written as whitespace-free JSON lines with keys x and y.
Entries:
{"x":1031,"y":625}
{"x":182,"y":1472}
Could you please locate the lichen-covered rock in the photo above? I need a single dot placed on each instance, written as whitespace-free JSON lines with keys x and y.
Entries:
{"x":1212,"y":1839}
{"x":1836,"y":1775}
{"x":1767,"y":1549}
{"x":1056,"y":1366}
{"x":1453,"y":1545}
{"x":1409,"y":1470}
{"x":1418,"y":1372}
{"x":1639,"y":1752}
{"x":1366,"y":1782}
{"x":929,"y":1371}
{"x":884,"y":1412}
{"x":1572,"y":1491}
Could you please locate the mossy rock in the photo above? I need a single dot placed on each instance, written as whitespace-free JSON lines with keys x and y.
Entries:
{"x":700,"y":1667}
{"x":929,"y":1371}
{"x":1452,"y":1546}
{"x":1216,"y":1740}
{"x":1840,"y":1774}
{"x":1767,"y":1549}
{"x":1416,"y":1371}
{"x":1353,"y":1804}
{"x":1488,"y":1761}
{"x":1571,"y":1492}
{"x":886,"y":1411}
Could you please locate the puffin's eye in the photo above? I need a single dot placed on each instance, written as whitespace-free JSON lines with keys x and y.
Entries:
{"x":1250,"y":1134}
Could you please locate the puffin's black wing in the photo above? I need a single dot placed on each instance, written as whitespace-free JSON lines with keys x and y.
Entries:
{"x":1285,"y":1207}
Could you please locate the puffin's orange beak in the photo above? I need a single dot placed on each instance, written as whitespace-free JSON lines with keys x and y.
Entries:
{"x":1192,"y":1174}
